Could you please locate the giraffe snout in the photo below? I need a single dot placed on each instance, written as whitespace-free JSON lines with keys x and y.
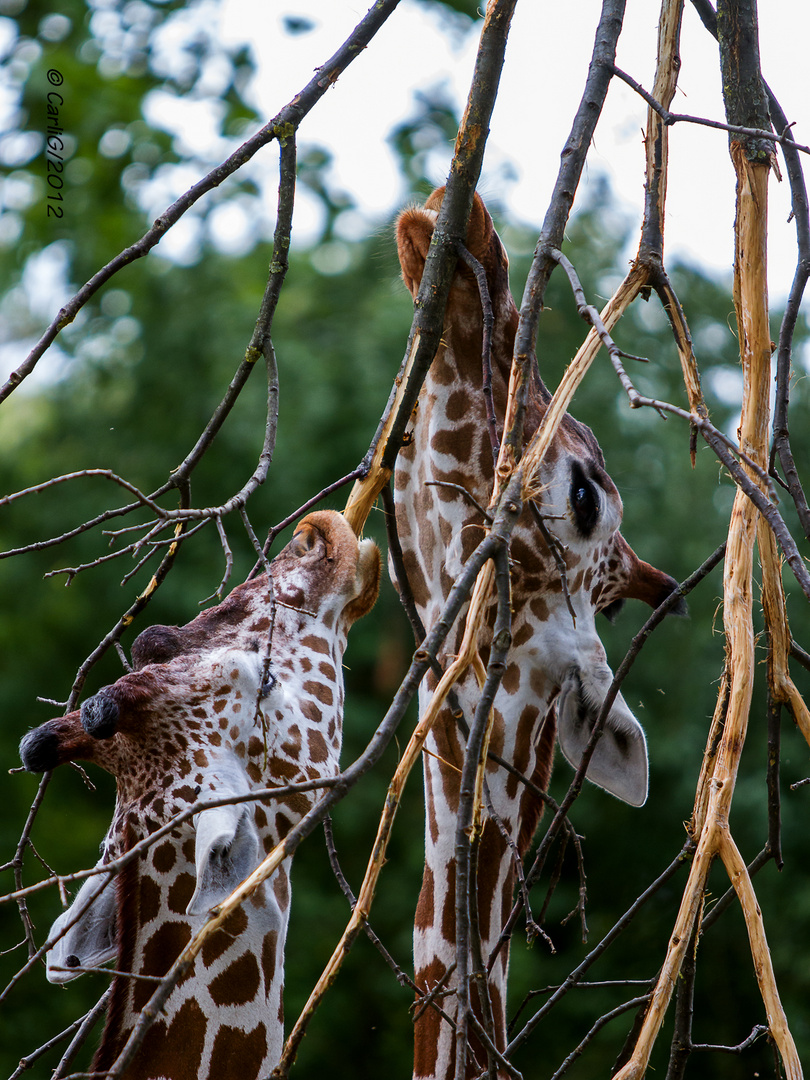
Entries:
{"x":100,"y":716}
{"x":39,"y":750}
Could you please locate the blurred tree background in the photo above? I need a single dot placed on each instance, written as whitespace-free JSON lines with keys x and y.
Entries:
{"x":130,"y":385}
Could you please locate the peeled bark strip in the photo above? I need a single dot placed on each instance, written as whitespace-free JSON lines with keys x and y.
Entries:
{"x":710,"y":823}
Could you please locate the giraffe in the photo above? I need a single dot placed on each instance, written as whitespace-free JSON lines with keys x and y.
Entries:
{"x":247,"y":695}
{"x":557,"y":674}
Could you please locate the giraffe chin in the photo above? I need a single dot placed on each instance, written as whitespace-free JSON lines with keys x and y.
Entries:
{"x":619,"y":762}
{"x":84,"y":936}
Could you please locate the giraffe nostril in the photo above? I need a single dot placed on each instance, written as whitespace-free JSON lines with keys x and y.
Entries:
{"x":39,"y":750}
{"x":72,"y":961}
{"x":100,"y":717}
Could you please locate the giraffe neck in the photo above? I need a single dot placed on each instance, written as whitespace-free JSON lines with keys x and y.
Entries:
{"x":523,"y":733}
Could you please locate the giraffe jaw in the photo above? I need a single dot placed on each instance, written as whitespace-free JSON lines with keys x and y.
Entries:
{"x":86,"y":932}
{"x":619,"y":762}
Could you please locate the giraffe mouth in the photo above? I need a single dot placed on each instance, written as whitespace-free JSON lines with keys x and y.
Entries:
{"x":618,"y":762}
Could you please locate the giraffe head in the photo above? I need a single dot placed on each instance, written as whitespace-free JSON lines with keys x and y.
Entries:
{"x":248,"y":695}
{"x":556,"y":641}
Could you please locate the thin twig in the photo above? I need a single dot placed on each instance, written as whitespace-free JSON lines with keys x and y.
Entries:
{"x":402,"y":977}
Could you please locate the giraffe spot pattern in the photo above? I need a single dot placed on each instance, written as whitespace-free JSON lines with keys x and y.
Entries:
{"x":281,"y":891}
{"x":164,"y":857}
{"x":177,"y":1049}
{"x":269,"y":955}
{"x":320,"y":691}
{"x":318,"y":750}
{"x":222,"y":939}
{"x":181,"y":892}
{"x":159,"y":953}
{"x":232,"y":1044}
{"x":316,"y":644}
{"x":425,"y":906}
{"x":238,"y":983}
{"x":149,"y":900}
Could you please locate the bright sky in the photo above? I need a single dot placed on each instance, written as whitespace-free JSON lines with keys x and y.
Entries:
{"x":549,"y":48}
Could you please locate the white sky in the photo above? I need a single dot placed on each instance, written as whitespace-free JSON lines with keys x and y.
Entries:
{"x":549,"y":48}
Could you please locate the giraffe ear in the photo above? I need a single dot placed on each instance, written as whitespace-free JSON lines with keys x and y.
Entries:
{"x":226,"y":850}
{"x":367,"y":580}
{"x":91,"y":940}
{"x":619,"y":762}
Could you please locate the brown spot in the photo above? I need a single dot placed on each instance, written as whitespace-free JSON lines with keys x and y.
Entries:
{"x":522,"y":553}
{"x":458,"y":442}
{"x":539,"y":684}
{"x":201,"y":759}
{"x":511,"y":679}
{"x":449,"y":905}
{"x":231,"y":1046}
{"x":283,"y":825}
{"x":318,"y":750}
{"x":222,"y":939}
{"x":238,"y":983}
{"x":311,"y":711}
{"x":281,"y":891}
{"x":458,"y":405}
{"x":416,"y":579}
{"x":424,"y":909}
{"x":150,"y":900}
{"x":320,"y":691}
{"x":327,"y":670}
{"x":316,"y":644}
{"x":176,"y":1051}
{"x":539,"y":608}
{"x":523,"y":745}
{"x":269,"y":949}
{"x":490,"y":859}
{"x":181,"y":892}
{"x":164,"y":856}
{"x":160,"y":952}
{"x":255,"y":746}
{"x":428,"y":1026}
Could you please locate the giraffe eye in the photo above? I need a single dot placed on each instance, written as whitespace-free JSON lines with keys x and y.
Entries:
{"x":584,"y":500}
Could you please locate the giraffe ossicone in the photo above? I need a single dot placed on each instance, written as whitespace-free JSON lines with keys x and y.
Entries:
{"x":248,"y":695}
{"x":557,"y":674}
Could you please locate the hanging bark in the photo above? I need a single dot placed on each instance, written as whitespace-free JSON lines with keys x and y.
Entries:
{"x":746,"y":105}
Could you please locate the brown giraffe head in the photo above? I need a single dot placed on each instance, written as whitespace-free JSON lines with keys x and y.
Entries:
{"x":248,"y":695}
{"x":573,"y":493}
